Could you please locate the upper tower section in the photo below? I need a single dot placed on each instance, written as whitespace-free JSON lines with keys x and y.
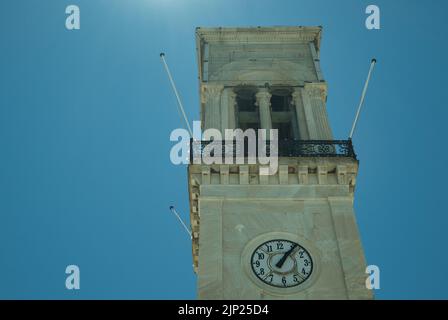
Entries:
{"x":259,"y":55}
{"x":263,"y":78}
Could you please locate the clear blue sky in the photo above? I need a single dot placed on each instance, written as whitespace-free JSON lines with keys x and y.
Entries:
{"x":85,"y":118}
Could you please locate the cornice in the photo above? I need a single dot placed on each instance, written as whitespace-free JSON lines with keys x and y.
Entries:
{"x":260,"y":34}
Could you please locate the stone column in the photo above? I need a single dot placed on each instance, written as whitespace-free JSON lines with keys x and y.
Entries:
{"x":309,"y":117}
{"x":228,"y":115}
{"x":300,"y":113}
{"x":264,"y":105}
{"x":314,"y":103}
{"x":212,"y":100}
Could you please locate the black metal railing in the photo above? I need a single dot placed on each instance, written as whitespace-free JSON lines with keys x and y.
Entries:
{"x":286,"y":148}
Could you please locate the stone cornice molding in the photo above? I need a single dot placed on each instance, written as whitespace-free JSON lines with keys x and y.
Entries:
{"x":261,"y":34}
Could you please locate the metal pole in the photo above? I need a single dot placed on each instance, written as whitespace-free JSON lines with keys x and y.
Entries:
{"x":181,"y":107}
{"x":181,"y":221}
{"x":372,"y":64}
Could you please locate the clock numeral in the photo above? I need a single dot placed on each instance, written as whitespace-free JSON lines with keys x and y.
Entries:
{"x":301,"y":254}
{"x":306,"y":262}
{"x":284,"y":281}
{"x":279,"y":246}
{"x":268,"y":248}
{"x":270,"y":277}
{"x":295,"y":278}
{"x":262,"y":271}
{"x":257,"y":263}
{"x":303,"y":271}
{"x":261,"y":256}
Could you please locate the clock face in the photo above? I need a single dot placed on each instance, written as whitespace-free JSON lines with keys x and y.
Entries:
{"x":281,"y":263}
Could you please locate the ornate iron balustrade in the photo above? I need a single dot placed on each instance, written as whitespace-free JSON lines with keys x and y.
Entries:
{"x":316,"y":148}
{"x":286,"y":148}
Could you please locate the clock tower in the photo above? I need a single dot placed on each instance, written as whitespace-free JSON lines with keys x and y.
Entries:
{"x":291,"y":234}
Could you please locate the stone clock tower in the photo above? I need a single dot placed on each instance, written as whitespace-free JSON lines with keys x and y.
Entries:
{"x":292,"y":234}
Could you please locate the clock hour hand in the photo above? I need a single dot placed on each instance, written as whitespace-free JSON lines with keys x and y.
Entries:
{"x":280,"y":262}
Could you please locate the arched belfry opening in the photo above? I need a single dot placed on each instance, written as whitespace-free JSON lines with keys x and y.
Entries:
{"x":283,"y":114}
{"x":247,"y":110}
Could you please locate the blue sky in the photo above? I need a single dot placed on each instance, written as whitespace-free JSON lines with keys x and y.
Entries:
{"x":85,"y":118}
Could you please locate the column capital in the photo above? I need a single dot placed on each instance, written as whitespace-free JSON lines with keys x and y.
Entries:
{"x":232,"y":95}
{"x":296,"y":94}
{"x":316,"y":89}
{"x":263,"y":96}
{"x":210,"y":91}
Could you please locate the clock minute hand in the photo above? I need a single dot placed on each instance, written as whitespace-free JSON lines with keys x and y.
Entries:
{"x":280,"y":263}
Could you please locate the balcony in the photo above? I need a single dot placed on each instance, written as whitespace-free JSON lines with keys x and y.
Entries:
{"x":286,"y":148}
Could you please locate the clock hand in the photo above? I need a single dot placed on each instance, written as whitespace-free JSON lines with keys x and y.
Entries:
{"x":280,"y":263}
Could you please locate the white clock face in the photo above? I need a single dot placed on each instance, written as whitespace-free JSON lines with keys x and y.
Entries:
{"x":281,"y":263}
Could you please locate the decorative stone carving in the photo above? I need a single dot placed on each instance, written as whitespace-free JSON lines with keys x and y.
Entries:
{"x":317,"y":90}
{"x":322,"y":174}
{"x":212,"y":91}
{"x":303,"y":174}
{"x":341,"y":172}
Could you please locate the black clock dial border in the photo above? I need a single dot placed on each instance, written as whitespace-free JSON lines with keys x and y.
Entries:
{"x":307,"y":276}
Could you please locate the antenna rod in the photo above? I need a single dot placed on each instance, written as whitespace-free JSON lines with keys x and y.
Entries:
{"x":181,"y":221}
{"x":181,"y":107}
{"x":372,"y":64}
